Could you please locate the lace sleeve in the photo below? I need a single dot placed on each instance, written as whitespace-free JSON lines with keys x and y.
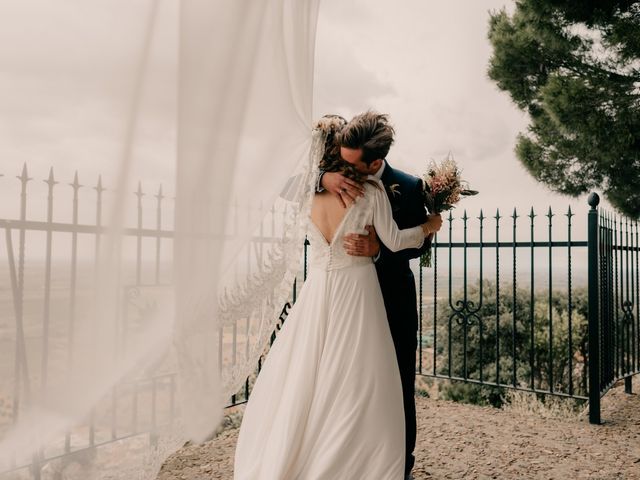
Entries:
{"x":386,"y":227}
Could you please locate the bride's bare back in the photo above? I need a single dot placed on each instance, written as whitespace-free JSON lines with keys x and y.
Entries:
{"x":327,"y":214}
{"x":329,"y":217}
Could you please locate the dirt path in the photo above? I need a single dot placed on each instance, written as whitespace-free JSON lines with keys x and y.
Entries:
{"x":457,"y":441}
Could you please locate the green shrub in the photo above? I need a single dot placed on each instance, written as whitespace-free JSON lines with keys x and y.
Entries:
{"x":482,"y":340}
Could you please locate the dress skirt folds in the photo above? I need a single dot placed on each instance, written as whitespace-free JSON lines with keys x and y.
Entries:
{"x":327,"y":403}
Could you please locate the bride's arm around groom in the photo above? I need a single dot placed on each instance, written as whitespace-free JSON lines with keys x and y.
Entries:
{"x":405,"y":197}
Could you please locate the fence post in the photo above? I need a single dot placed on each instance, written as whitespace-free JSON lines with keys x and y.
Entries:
{"x":593,"y":289}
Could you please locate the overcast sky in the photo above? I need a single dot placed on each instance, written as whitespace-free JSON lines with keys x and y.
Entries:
{"x":424,"y":62}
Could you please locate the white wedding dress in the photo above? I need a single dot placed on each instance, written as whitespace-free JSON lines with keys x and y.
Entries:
{"x":327,"y":404}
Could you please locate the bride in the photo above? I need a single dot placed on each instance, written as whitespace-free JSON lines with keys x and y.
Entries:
{"x":327,"y":403}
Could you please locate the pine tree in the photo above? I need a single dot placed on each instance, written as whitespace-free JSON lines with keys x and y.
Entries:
{"x":574,"y":67}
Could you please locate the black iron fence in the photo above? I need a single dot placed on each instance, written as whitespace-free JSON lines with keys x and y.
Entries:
{"x":614,"y":303}
{"x":570,"y":338}
{"x":506,"y":331}
{"x":46,"y":256}
{"x":51,"y":248}
{"x":567,"y":340}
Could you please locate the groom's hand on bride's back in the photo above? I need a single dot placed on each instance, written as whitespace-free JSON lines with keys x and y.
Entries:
{"x":362,"y":245}
{"x":344,"y":188}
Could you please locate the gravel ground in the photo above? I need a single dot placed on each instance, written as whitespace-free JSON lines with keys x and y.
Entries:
{"x":458,"y":441}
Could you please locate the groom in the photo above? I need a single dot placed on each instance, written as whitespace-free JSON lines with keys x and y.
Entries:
{"x":365,"y":142}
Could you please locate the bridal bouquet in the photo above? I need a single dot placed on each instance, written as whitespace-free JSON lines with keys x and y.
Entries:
{"x":443,"y":188}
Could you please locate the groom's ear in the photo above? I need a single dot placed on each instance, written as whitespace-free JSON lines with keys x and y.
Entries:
{"x":375,"y":165}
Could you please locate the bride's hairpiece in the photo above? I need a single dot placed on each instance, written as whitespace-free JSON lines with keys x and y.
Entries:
{"x":330,"y":124}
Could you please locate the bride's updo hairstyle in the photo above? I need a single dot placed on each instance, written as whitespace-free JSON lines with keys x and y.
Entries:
{"x":330,"y":125}
{"x":331,"y":161}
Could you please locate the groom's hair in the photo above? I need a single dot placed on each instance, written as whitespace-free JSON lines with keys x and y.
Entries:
{"x":370,"y":131}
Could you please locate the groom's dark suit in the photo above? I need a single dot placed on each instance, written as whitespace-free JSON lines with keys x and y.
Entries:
{"x":399,"y":289}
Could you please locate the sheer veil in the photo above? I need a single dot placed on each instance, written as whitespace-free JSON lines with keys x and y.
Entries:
{"x":118,"y":393}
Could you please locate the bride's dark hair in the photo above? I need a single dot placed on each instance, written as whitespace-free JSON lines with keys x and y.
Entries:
{"x":331,"y":160}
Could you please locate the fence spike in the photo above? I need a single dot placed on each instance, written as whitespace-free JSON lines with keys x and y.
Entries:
{"x":569,"y":214}
{"x":99,"y":188}
{"x":159,"y":196}
{"x":50,"y":181}
{"x":531,"y":214}
{"x":24,"y":176}
{"x":139,"y":192}
{"x":76,"y":184}
{"x":497,"y":215}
